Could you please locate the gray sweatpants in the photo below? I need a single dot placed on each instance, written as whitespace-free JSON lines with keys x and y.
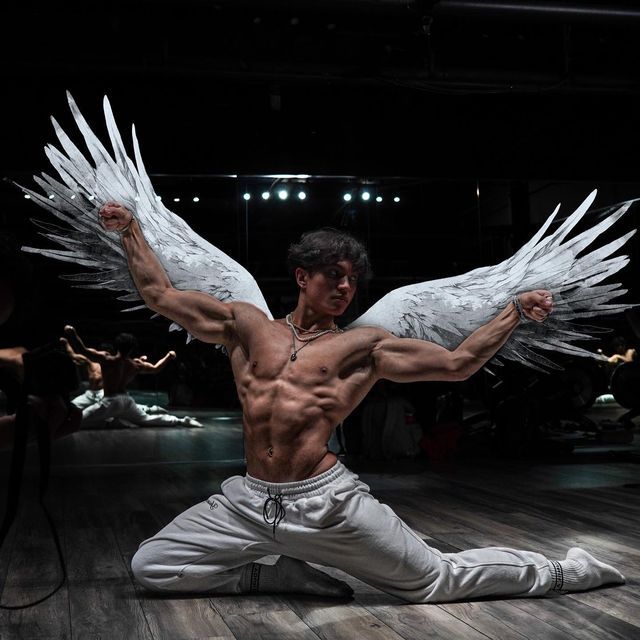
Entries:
{"x":123,"y":407}
{"x":333,"y":520}
{"x":89,"y":397}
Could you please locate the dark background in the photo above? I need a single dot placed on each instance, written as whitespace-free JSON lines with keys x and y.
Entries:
{"x":480,"y":116}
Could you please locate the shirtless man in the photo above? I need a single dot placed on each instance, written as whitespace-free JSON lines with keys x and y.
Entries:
{"x":94,"y":392}
{"x":116,"y":372}
{"x":297,"y":378}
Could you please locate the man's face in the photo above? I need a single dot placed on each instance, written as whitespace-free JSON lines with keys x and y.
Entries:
{"x":329,"y":289}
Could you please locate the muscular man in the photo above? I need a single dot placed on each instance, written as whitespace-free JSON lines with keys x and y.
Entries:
{"x":117,"y":371}
{"x":94,"y":392}
{"x":93,"y":371}
{"x":297,"y":378}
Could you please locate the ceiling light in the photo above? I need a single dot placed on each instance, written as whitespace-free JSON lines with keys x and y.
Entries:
{"x":288,"y":176}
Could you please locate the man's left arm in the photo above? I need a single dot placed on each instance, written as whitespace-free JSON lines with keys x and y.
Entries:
{"x":410,"y":360}
{"x":143,"y":366}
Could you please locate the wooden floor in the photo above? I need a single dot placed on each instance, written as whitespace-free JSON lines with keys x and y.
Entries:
{"x":111,"y":489}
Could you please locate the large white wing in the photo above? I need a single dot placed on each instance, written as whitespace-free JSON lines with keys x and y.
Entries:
{"x":448,"y":310}
{"x":191,"y":262}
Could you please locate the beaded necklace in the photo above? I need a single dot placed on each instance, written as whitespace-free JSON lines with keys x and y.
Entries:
{"x":314,"y":335}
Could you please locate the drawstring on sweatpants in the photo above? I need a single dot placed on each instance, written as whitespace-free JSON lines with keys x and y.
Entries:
{"x":278,"y":511}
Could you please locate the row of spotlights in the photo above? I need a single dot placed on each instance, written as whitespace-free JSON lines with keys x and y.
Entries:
{"x":283,"y":194}
{"x":366,"y":196}
{"x":158,"y":198}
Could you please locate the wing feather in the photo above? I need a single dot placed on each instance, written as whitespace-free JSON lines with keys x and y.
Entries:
{"x":86,"y":183}
{"x":448,"y":310}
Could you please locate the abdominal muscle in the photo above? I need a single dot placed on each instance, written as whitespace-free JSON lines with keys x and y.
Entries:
{"x":291,"y":407}
{"x":286,"y":445}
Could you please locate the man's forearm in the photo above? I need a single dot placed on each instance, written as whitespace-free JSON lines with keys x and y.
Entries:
{"x":148,"y":274}
{"x":485,"y":342}
{"x":79,"y":347}
{"x":162,"y":363}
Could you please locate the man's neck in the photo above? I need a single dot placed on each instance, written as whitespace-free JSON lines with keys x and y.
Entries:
{"x":306,"y":318}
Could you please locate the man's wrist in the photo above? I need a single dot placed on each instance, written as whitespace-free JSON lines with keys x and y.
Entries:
{"x":518,"y":305}
{"x":126,"y":227}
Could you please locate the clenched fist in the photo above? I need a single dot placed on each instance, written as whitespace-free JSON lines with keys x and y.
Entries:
{"x":115,"y":217}
{"x":536,"y":305}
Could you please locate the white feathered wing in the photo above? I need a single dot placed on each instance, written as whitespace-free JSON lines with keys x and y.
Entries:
{"x":191,"y":262}
{"x":443,"y":311}
{"x":446,"y":311}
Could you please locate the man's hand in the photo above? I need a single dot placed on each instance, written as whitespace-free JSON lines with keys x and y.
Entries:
{"x":114,"y":216}
{"x":536,"y":305}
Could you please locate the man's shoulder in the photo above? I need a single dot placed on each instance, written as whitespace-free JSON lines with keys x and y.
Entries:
{"x":248,"y":319}
{"x":367,"y":332}
{"x":365,"y":336}
{"x":246,"y":309}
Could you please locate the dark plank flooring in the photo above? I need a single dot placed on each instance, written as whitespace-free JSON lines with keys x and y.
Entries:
{"x":111,"y":489}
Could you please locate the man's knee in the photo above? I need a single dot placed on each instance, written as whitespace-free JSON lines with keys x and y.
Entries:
{"x":146,"y":569}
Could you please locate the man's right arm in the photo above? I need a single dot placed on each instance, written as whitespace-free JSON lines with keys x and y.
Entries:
{"x":77,"y":358}
{"x":202,"y":315}
{"x":81,"y":349}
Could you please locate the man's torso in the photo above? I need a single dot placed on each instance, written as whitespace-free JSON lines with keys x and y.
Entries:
{"x":117,"y":373}
{"x":290,"y":406}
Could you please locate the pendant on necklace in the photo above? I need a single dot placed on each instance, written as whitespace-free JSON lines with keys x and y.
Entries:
{"x":294,"y":356}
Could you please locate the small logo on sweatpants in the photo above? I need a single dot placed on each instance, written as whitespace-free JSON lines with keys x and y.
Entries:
{"x":212,"y":503}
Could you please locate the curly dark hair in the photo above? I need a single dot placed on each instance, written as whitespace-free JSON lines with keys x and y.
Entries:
{"x":326,"y":246}
{"x":125,"y":343}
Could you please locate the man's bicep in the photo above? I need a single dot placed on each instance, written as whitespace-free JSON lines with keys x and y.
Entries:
{"x":144,"y":367}
{"x":200,"y":314}
{"x":412,"y":360}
